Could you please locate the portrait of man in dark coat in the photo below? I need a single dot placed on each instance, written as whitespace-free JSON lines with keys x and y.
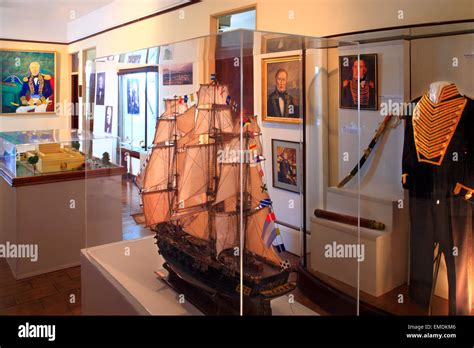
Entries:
{"x":280,"y":102}
{"x":282,"y":93}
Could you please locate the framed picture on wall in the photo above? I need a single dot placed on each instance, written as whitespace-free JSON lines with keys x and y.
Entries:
{"x":108,"y":119}
{"x":135,"y":57}
{"x":286,"y":160}
{"x":166,"y":53}
{"x":281,"y":43}
{"x":178,"y":74}
{"x":27,"y":80}
{"x":349,"y":68}
{"x":282,"y":91}
{"x":133,"y":96}
{"x":100,"y":90}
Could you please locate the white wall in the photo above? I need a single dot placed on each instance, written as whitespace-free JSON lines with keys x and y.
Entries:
{"x":123,"y":11}
{"x":381,"y":173}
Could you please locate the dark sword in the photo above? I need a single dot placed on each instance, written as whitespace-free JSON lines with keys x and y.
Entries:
{"x":378,"y":134}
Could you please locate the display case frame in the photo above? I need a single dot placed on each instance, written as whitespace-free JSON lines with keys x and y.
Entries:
{"x":235,"y":59}
{"x":411,"y":57}
{"x":62,"y":155}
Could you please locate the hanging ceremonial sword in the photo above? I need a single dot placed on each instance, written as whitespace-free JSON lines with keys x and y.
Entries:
{"x":378,"y":134}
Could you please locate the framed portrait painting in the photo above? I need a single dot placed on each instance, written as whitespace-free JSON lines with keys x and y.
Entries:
{"x":282,"y":91}
{"x":133,"y":96}
{"x":108,"y":119}
{"x":286,"y":160}
{"x":28,"y":80}
{"x":100,"y":89}
{"x":349,"y":68}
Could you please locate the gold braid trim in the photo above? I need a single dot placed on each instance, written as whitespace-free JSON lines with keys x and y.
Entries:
{"x":462,"y":190}
{"x":435,"y":124}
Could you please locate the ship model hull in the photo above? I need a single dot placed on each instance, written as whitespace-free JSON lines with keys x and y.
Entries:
{"x":211,"y":285}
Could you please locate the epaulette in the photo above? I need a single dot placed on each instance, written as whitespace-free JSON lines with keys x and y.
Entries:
{"x":47,"y":77}
{"x":345,"y":83}
{"x":25,"y":79}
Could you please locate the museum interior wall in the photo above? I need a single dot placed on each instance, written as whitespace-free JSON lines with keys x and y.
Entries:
{"x":196,"y":23}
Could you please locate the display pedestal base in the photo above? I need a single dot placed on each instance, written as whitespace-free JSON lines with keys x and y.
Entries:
{"x":120,"y":279}
{"x":332,"y":300}
{"x":384,"y":263}
{"x":55,"y":218}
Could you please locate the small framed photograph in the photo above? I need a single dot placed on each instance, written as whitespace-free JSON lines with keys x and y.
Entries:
{"x":178,"y":74}
{"x":282,"y":89}
{"x":280,"y":43}
{"x":100,"y":89}
{"x":349,"y":68}
{"x":166,"y":53}
{"x":286,"y":160}
{"x":133,"y":96}
{"x":108,"y":119}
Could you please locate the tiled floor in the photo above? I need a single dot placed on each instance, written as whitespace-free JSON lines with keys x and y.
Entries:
{"x":55,"y":293}
{"x":59,"y":293}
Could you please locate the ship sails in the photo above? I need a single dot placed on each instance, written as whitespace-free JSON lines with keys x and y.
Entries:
{"x":193,"y":175}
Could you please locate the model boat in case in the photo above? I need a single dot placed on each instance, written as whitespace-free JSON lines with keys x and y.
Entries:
{"x":193,"y":201}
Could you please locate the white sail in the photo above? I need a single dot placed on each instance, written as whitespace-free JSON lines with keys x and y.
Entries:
{"x":222,"y":121}
{"x":156,"y":207}
{"x":173,"y":107}
{"x":197,"y":225}
{"x":193,"y":180}
{"x":179,"y":176}
{"x":211,"y":95}
{"x":203,"y":122}
{"x":229,"y":183}
{"x":226,"y":231}
{"x":185,"y":121}
{"x":165,"y":130}
{"x":161,"y":160}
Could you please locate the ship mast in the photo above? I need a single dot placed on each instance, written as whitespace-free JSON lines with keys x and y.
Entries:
{"x":212,"y":174}
{"x":245,"y":171}
{"x":175,"y":174}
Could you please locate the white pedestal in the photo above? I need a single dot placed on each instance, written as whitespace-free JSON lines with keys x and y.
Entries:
{"x":43,"y":215}
{"x":386,"y":252}
{"x":116,"y":284}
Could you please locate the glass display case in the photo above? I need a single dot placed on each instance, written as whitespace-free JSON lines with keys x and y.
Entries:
{"x":414,"y":178}
{"x":275,"y":149}
{"x":26,"y":154}
{"x":238,"y":164}
{"x":43,"y":185}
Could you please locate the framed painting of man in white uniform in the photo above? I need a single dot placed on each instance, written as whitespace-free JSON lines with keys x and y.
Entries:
{"x":27,"y":81}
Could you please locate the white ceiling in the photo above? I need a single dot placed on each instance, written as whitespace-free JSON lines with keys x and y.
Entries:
{"x":56,"y":10}
{"x":52,"y":20}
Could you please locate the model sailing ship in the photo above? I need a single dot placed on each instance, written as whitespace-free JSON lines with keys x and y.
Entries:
{"x":192,"y":200}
